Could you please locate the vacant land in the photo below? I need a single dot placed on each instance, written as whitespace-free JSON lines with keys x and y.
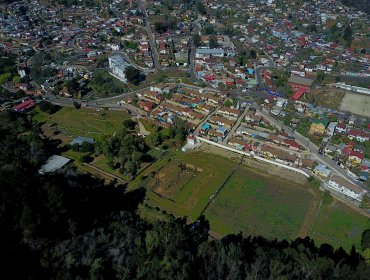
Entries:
{"x":327,"y":97}
{"x":263,"y":205}
{"x":252,"y":201}
{"x":338,"y":225}
{"x":85,"y":122}
{"x":356,"y":103}
{"x":183,"y":183}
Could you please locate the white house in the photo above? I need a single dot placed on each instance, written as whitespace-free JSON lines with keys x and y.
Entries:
{"x":281,"y":102}
{"x":117,"y":66}
{"x":340,"y":185}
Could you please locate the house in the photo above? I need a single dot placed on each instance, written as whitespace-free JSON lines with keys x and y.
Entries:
{"x":221,"y":121}
{"x":365,"y":165}
{"x":80,"y":140}
{"x":237,"y":143}
{"x":341,"y":128}
{"x":205,"y":128}
{"x":147,"y":105}
{"x":318,"y":127}
{"x":24,"y":106}
{"x":340,"y":185}
{"x":355,"y":157}
{"x":293,"y":145}
{"x":203,"y":53}
{"x":229,"y":111}
{"x":322,"y":170}
{"x":192,"y":140}
{"x":281,"y":102}
{"x":279,"y":155}
{"x":364,"y":176}
{"x":308,"y":163}
{"x":53,"y":164}
{"x":300,"y":82}
{"x":359,"y":135}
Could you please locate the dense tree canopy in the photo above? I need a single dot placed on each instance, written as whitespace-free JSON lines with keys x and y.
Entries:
{"x":71,"y":226}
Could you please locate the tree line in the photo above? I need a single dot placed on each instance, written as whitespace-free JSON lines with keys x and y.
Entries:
{"x":69,"y":225}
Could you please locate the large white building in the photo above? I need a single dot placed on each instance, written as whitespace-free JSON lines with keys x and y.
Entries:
{"x":340,"y":185}
{"x":203,"y":52}
{"x":117,"y":66}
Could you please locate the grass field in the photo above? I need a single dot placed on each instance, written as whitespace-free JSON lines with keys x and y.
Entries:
{"x":84,"y":122}
{"x":260,"y":205}
{"x":193,"y":187}
{"x":251,"y":202}
{"x":338,"y":225}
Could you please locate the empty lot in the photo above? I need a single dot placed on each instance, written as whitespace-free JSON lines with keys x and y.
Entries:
{"x":356,"y":103}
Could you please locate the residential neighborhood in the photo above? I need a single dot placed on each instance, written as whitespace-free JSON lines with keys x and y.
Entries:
{"x":251,"y":115}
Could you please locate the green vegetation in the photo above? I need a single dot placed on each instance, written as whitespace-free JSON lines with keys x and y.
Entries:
{"x":259,"y":205}
{"x":133,"y":75}
{"x":338,"y":225}
{"x":38,"y":71}
{"x":68,"y":225}
{"x":124,"y":151}
{"x":86,"y":122}
{"x":8,"y":69}
{"x":250,"y":202}
{"x":106,"y":85}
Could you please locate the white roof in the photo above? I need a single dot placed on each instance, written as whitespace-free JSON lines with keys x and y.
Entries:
{"x":53,"y":163}
{"x":210,"y":51}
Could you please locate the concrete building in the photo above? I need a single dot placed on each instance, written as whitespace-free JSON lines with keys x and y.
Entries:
{"x":340,"y":185}
{"x":117,"y":66}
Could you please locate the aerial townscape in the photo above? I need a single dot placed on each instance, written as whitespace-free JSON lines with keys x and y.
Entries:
{"x":185,"y":139}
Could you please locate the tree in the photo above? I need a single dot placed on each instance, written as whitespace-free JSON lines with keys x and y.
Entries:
{"x":160,"y":27}
{"x":72,"y":86}
{"x":196,"y":40}
{"x":201,"y":8}
{"x":133,"y":75}
{"x":347,"y":35}
{"x":365,"y":239}
{"x":212,"y":42}
{"x":129,"y":124}
{"x":253,"y":54}
{"x":76,"y":105}
{"x":320,"y":76}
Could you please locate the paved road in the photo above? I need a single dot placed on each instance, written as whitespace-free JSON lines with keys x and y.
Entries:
{"x":197,"y":28}
{"x":239,"y":120}
{"x":150,"y":35}
{"x":314,"y":150}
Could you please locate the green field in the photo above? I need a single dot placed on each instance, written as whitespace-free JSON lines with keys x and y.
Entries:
{"x":338,"y":225}
{"x":251,"y":201}
{"x":194,"y":187}
{"x":260,"y":205}
{"x":84,"y":122}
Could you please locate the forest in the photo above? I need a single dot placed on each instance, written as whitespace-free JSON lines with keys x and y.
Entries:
{"x":69,"y":225}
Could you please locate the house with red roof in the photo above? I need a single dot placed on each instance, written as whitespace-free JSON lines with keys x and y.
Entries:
{"x":147,"y":105}
{"x":355,"y":157}
{"x":24,"y":106}
{"x":359,"y":135}
{"x":341,"y":128}
{"x":293,"y":145}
